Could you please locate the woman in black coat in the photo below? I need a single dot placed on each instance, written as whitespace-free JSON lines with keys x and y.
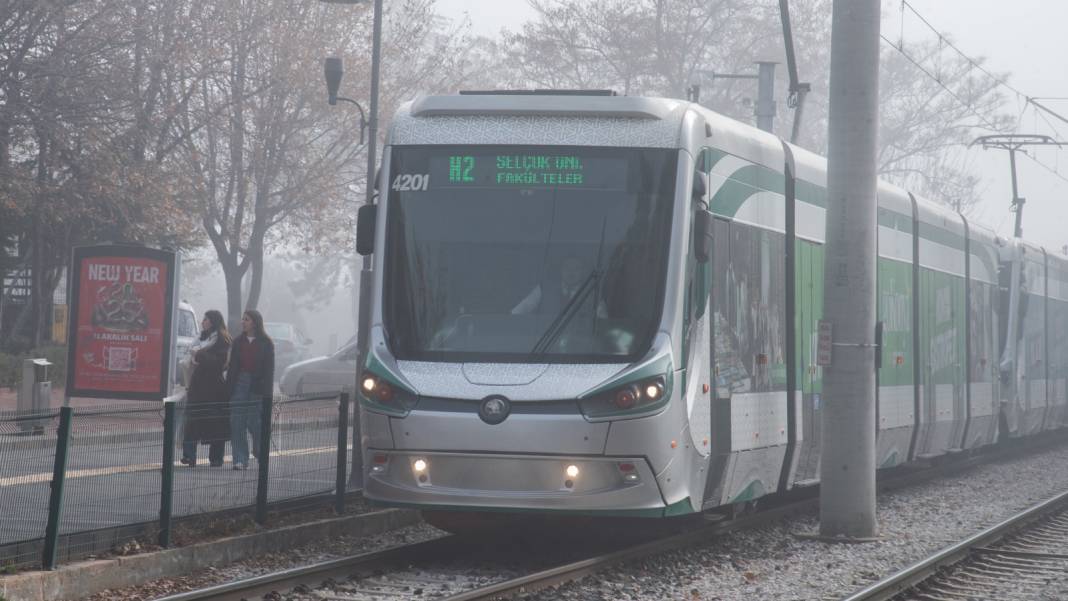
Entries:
{"x":208,"y":408}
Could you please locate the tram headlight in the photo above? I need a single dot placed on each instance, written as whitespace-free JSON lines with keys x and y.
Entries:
{"x":640,"y":396}
{"x":627,"y":397}
{"x":378,"y":394}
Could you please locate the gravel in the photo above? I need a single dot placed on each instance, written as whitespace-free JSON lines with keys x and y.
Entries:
{"x":768,"y":563}
{"x":771,"y":563}
{"x":309,"y":554}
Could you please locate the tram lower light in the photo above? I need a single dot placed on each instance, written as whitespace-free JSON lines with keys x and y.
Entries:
{"x":379,"y":463}
{"x":654,"y":390}
{"x":629,"y":471}
{"x":419,"y":468}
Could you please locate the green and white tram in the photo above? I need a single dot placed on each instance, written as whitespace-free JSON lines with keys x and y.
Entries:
{"x":608,"y":305}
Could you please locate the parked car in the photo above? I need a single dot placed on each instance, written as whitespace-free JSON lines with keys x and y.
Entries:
{"x":186,"y":330}
{"x":329,"y":373}
{"x":290,"y":345}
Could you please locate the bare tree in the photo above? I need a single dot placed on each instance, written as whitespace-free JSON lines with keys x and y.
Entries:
{"x":65,"y":153}
{"x":933,"y":102}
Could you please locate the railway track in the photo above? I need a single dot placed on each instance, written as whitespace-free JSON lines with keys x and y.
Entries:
{"x":1023,"y":557}
{"x":454,"y":568}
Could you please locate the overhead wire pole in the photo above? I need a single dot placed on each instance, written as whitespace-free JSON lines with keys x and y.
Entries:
{"x":847,"y":467}
{"x":1013,"y":143}
{"x":764,"y":110}
{"x":798,"y":90}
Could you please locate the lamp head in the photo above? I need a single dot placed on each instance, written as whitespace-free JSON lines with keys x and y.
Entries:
{"x":333,"y":71}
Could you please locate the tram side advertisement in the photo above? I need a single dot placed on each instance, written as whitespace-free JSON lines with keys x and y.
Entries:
{"x":122,"y":302}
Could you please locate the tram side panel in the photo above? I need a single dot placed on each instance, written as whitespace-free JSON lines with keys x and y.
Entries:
{"x":896,"y":391}
{"x":809,"y":253}
{"x":983,"y":348}
{"x":749,"y":414}
{"x":1031,"y":352}
{"x":809,"y":305}
{"x":1058,"y":340}
{"x":942,"y":324}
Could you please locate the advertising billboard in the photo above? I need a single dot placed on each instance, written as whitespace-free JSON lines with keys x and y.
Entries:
{"x":120,"y":334}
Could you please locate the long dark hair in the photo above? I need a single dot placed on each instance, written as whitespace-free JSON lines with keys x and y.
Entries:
{"x":218,"y":324}
{"x":257,"y":324}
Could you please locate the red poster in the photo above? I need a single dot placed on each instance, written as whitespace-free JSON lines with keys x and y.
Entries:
{"x":121,"y":319}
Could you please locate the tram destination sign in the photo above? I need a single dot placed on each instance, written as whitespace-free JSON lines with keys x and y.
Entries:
{"x":524,"y":170}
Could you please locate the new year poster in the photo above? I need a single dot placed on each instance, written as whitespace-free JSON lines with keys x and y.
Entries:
{"x":121,"y":318}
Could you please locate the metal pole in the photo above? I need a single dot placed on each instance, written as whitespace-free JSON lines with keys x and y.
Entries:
{"x":166,"y":493}
{"x":366,"y":275}
{"x":342,"y":444}
{"x":847,"y":469}
{"x":1017,"y":202}
{"x":55,"y":497}
{"x":765,"y":106}
{"x":263,"y":458}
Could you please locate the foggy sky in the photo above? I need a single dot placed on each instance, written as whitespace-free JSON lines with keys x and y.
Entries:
{"x":1023,"y":37}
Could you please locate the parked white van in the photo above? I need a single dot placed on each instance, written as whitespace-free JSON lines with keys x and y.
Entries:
{"x":186,"y":331}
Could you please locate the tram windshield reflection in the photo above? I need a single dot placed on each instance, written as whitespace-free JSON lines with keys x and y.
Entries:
{"x":526,"y":254}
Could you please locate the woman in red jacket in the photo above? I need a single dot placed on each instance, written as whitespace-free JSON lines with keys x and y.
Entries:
{"x":250,"y":378}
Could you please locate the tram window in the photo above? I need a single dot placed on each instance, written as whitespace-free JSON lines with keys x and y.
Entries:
{"x":484,"y":255}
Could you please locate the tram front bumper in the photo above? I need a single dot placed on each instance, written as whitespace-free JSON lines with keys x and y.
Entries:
{"x":511,"y":482}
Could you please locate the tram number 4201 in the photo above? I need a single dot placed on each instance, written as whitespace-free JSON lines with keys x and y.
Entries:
{"x":407,"y":182}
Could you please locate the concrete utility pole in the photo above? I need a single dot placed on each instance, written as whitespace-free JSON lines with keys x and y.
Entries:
{"x":764,"y":110}
{"x":765,"y":106}
{"x":847,"y":468}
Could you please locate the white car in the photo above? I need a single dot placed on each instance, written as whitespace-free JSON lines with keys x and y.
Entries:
{"x":332,"y":373}
{"x":186,"y":331}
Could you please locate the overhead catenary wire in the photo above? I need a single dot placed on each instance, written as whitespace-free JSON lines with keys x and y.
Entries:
{"x":1041,"y":110}
{"x":989,"y":124}
{"x":976,"y":64}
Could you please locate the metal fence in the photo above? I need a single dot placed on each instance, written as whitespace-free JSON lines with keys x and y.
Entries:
{"x":73,"y":482}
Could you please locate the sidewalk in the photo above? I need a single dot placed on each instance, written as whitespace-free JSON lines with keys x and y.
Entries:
{"x":106,"y":421}
{"x":9,"y":402}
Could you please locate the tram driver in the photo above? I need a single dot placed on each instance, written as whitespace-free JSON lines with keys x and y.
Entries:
{"x":552,"y":296}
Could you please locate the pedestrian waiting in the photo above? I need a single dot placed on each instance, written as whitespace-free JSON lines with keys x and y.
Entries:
{"x":250,"y":379}
{"x":208,"y":420}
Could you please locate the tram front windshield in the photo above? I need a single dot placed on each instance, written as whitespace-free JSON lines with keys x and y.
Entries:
{"x":526,"y":254}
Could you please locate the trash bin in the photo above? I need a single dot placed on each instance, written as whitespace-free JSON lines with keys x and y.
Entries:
{"x":35,"y":394}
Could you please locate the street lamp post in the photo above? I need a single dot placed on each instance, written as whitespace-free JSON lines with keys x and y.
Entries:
{"x":356,"y":471}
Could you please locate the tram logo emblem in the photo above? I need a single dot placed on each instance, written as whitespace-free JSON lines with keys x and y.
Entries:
{"x":494,"y":409}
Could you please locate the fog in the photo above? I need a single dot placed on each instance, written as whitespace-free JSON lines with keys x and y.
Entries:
{"x":1022,"y":39}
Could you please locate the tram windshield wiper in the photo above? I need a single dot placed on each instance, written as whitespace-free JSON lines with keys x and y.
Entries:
{"x":559,"y":323}
{"x":591,"y":283}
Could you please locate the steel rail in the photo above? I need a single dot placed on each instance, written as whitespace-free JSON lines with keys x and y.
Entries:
{"x":315,"y":574}
{"x":799,"y":501}
{"x":576,"y":570}
{"x":579,"y":569}
{"x":920,"y":571}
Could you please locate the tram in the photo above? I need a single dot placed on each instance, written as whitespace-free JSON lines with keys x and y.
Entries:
{"x":609,"y":305}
